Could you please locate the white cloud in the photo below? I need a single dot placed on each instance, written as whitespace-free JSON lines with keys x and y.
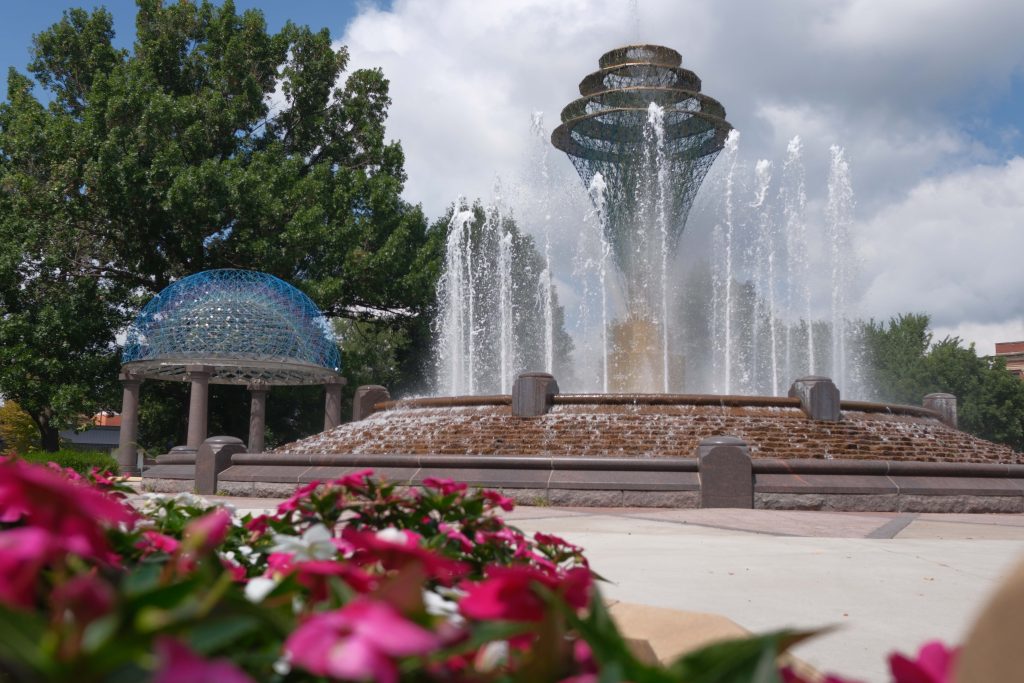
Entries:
{"x":939,"y":216}
{"x":952,"y":248}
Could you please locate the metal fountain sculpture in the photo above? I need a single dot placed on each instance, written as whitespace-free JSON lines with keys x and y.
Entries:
{"x":642,"y":138}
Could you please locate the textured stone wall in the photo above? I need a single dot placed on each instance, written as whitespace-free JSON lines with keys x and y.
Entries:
{"x":652,"y":431}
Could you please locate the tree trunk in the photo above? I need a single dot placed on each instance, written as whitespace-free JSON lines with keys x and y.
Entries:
{"x":50,"y":439}
{"x":49,"y":436}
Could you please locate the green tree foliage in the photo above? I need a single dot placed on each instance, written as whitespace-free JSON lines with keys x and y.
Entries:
{"x":906,"y":364}
{"x":18,"y":432}
{"x":211,"y":143}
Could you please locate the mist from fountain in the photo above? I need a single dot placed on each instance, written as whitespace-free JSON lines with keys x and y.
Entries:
{"x":652,"y":309}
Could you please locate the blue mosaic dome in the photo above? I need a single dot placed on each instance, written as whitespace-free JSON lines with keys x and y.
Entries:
{"x":245,"y":325}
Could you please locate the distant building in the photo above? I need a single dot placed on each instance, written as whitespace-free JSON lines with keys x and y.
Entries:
{"x":1013,"y":353}
{"x":102,"y":436}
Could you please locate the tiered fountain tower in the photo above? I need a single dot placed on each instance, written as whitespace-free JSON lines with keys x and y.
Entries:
{"x":642,"y":138}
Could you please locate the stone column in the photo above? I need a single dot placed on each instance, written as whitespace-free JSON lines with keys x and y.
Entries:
{"x":198,"y":404}
{"x":367,"y":396}
{"x":332,"y":403}
{"x":127,"y":445}
{"x":819,"y":397}
{"x":533,"y":393}
{"x":212,"y":458}
{"x":726,"y":473}
{"x":944,"y":405}
{"x":257,"y":416}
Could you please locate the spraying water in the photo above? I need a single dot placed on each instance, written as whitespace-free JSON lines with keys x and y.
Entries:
{"x":838,"y":216}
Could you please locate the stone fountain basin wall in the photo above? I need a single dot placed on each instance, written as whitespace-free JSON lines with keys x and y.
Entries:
{"x":655,"y":426}
{"x":623,"y":451}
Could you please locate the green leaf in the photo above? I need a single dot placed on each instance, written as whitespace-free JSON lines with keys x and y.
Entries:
{"x":745,"y":660}
{"x":21,"y":634}
{"x":216,"y":633}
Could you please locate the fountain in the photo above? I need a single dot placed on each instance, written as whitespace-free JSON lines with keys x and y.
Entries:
{"x":642,"y":139}
{"x":643,"y":131}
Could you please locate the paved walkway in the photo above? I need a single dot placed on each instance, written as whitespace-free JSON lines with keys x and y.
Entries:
{"x":888,"y":580}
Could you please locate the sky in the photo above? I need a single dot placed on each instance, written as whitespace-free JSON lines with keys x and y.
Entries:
{"x":925,"y":96}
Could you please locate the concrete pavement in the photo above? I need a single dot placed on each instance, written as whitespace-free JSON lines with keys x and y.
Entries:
{"x":887,"y":580}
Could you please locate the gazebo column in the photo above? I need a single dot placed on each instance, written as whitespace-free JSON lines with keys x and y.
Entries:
{"x":198,"y":404}
{"x":257,"y":416}
{"x":127,"y":444}
{"x":332,"y":403}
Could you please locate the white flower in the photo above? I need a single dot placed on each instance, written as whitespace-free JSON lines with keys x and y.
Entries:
{"x":259,"y":588}
{"x":391,"y":535}
{"x":315,"y":544}
{"x":492,"y":655}
{"x":283,"y":666}
{"x":439,"y":606}
{"x":191,"y":500}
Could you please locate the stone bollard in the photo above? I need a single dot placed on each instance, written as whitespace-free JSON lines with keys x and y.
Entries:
{"x":819,"y":397}
{"x":726,"y":474}
{"x":332,"y":402}
{"x":944,"y":405}
{"x":367,"y":396}
{"x":532,"y":393}
{"x":213,"y":457}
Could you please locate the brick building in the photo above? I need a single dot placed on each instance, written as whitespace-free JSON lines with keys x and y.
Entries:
{"x":1013,"y":352}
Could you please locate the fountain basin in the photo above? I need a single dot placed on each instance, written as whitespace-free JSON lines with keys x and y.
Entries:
{"x":640,"y":450}
{"x":652,"y":426}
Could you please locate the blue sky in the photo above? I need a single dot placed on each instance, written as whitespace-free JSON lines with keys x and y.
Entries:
{"x":17,"y":28}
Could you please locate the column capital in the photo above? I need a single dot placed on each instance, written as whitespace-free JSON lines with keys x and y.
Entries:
{"x":197,"y":371}
{"x":127,"y":376}
{"x":258,"y":385}
{"x":338,"y":381}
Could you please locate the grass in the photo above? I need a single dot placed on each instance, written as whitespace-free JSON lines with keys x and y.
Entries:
{"x":80,"y":461}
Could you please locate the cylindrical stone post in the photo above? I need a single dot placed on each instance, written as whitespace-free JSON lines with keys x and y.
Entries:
{"x":198,"y":404}
{"x":332,"y":403}
{"x":533,"y":393}
{"x":367,"y":396}
{"x":257,"y":416}
{"x":127,"y":445}
{"x":944,"y":405}
{"x":726,"y":473}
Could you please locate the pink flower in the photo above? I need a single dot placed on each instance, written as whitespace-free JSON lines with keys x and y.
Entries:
{"x":258,"y":525}
{"x":395,"y":549}
{"x":178,"y":664}
{"x":356,"y":480}
{"x":72,"y":512}
{"x":358,"y":642}
{"x":934,"y":664}
{"x":209,"y":531}
{"x":454,"y":534}
{"x":86,"y":597}
{"x":445,"y":486}
{"x":236,"y":570}
{"x":300,"y":494}
{"x":154,"y":541}
{"x":507,"y":593}
{"x":24,"y":551}
{"x":314,"y":575}
{"x":499,"y":500}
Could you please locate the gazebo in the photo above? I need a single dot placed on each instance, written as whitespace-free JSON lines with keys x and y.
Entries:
{"x":227,"y":326}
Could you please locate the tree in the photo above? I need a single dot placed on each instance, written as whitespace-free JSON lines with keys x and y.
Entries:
{"x":212,"y":143}
{"x":18,"y":433}
{"x":906,"y":365}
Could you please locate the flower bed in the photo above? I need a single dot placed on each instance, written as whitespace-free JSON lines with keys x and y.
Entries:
{"x":349,"y":580}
